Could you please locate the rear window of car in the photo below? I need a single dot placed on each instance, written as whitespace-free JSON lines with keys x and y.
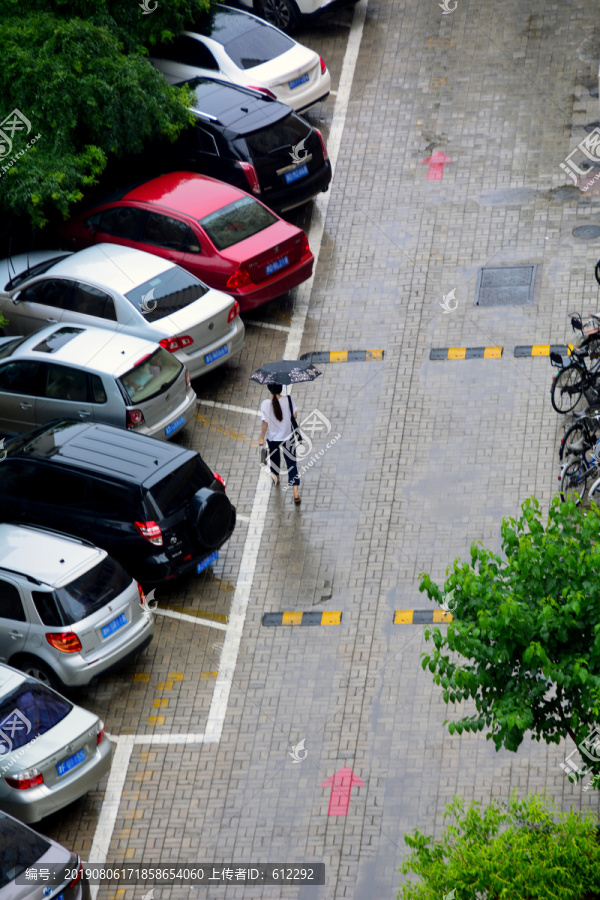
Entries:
{"x":83,"y":596}
{"x":257,"y":46}
{"x":166,"y":294}
{"x":279,"y":136}
{"x":178,"y":488}
{"x":34,"y":271}
{"x":29,"y":711}
{"x":237,"y":221}
{"x":151,"y":376}
{"x":19,"y":849}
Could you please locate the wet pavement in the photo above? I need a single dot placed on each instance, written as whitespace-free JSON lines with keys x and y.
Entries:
{"x":430,"y":455}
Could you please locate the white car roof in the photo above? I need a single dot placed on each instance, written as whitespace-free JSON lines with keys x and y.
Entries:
{"x":9,"y":679}
{"x":96,"y":349}
{"x":50,"y":558}
{"x":116,"y":268}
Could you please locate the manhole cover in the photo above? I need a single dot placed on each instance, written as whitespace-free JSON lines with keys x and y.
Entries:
{"x":586,"y":232}
{"x":505,"y":285}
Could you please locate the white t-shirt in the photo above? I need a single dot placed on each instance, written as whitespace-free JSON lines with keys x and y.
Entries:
{"x":277,"y":431}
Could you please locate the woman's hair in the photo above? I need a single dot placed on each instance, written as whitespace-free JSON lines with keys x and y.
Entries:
{"x":276,"y":389}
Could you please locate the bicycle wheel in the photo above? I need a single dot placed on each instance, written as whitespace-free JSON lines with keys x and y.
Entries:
{"x":591,"y":392}
{"x":574,"y":478}
{"x":594,"y":492}
{"x":592,"y":345}
{"x":567,"y":389}
{"x":577,"y":439}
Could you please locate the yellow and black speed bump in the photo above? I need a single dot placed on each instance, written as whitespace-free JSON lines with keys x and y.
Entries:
{"x":302,"y":618}
{"x":336,"y":356}
{"x":466,"y":353}
{"x":421,"y":617}
{"x":543,"y":349}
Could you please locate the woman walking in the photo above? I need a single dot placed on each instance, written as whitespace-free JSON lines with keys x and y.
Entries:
{"x":277,"y":427}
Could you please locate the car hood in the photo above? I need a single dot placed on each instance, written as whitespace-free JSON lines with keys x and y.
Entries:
{"x":14,"y":265}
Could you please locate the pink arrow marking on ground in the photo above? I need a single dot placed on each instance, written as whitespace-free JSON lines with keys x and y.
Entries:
{"x":436,"y":161}
{"x":341,"y":788}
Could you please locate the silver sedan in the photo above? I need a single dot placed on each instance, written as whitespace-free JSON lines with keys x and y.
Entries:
{"x":126,"y":290}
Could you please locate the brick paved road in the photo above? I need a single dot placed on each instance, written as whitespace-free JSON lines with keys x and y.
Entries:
{"x":431,"y":455}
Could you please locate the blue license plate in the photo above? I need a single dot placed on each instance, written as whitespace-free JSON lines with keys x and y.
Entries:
{"x":174,"y":425}
{"x":296,"y":174}
{"x":70,"y":763}
{"x":216,"y":354}
{"x":207,"y":562}
{"x":114,"y":625}
{"x":298,"y":81}
{"x":277,"y":265}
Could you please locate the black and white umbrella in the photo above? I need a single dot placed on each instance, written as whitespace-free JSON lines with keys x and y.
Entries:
{"x":286,"y":371}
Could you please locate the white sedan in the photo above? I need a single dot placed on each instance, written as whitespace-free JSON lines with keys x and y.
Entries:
{"x":236,"y":46}
{"x":126,"y":290}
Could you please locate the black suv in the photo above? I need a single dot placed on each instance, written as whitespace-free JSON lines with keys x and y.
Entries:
{"x":154,"y":506}
{"x":253,"y":142}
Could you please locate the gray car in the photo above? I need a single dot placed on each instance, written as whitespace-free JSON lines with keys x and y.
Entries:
{"x":126,"y":290}
{"x":51,"y":751}
{"x":21,"y":850}
{"x":78,"y":372}
{"x":68,"y":611}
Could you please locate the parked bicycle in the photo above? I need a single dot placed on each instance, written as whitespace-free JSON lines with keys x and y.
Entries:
{"x":577,"y":472}
{"x":575,"y":379}
{"x":583,"y":434}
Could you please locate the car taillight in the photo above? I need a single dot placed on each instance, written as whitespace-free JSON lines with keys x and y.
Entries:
{"x":263,"y":90}
{"x":234,"y":312}
{"x":251,"y":176}
{"x":219,"y":479}
{"x":323,"y":66}
{"x":323,"y":147}
{"x":188,"y":380}
{"x":134,"y":417}
{"x":79,"y":873}
{"x":141,"y":593}
{"x":99,"y":731}
{"x":65,"y":641}
{"x":24,"y":780}
{"x":151,"y":531}
{"x":176,"y":343}
{"x":305,"y":246}
{"x":240,"y":278}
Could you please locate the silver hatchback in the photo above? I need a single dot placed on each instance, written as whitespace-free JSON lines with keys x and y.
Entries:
{"x":80,"y":372}
{"x":51,"y":751}
{"x":68,"y":611}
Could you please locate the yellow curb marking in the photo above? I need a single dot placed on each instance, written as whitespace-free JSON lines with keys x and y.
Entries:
{"x":373,"y":354}
{"x":403,"y":617}
{"x":338,"y":356}
{"x":160,"y":704}
{"x":492,"y":353}
{"x":440,"y":615}
{"x":292,"y":618}
{"x":457,"y":352}
{"x":331,"y":618}
{"x":156,"y":720}
{"x":141,"y":676}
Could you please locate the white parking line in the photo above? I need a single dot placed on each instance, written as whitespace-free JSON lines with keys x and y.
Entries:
{"x":230,"y":408}
{"x":184,"y":617}
{"x":240,"y":518}
{"x":241,"y":597}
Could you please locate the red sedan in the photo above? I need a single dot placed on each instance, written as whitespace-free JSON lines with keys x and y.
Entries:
{"x":220,"y":234}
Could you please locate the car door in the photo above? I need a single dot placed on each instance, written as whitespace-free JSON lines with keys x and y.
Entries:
{"x":117,"y":225}
{"x":19,"y":388}
{"x":64,"y":394}
{"x":170,"y":238}
{"x":89,"y":305}
{"x":14,"y":624}
{"x":42,"y":303}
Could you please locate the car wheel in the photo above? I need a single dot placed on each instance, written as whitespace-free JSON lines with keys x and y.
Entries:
{"x":210,"y":513}
{"x":37,"y":669}
{"x":283,"y":14}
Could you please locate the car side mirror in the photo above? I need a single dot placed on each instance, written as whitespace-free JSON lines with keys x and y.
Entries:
{"x":17,"y":298}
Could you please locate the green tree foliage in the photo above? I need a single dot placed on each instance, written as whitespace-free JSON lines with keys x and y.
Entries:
{"x":524,"y":643}
{"x":78,"y":70}
{"x":523,"y":851}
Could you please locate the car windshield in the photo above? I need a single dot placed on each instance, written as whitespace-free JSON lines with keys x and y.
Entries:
{"x":279,"y":136}
{"x":236,"y":222}
{"x":151,"y":376}
{"x":180,"y":486}
{"x":33,"y":271}
{"x":83,"y":596}
{"x":9,"y":347}
{"x":258,"y":45}
{"x":20,"y":847}
{"x":28,"y":712}
{"x":167,"y":293}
